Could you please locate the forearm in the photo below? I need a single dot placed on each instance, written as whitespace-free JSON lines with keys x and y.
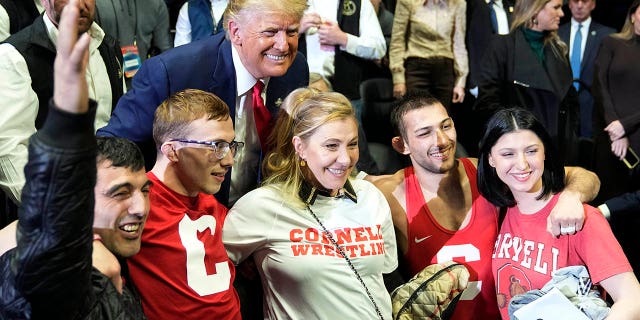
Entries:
{"x":370,"y":44}
{"x":582,"y":183}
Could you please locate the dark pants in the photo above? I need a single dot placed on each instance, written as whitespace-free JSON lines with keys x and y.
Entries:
{"x":435,"y":76}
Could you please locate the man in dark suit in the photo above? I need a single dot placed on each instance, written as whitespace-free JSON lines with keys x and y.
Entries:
{"x":481,"y":27}
{"x":583,"y":59}
{"x":259,"y":48}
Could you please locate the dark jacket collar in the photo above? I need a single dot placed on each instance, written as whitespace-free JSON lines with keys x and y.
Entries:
{"x":308,"y":193}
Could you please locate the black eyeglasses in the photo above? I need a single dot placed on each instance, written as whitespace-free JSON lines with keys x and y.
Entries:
{"x":220,"y":148}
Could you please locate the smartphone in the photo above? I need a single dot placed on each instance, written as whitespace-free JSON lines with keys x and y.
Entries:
{"x":631,"y":160}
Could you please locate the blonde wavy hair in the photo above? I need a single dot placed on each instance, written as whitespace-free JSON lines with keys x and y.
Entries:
{"x":302,"y":113}
{"x":627,"y":31}
{"x":524,"y":15}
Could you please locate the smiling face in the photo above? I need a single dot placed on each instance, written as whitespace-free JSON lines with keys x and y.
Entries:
{"x":549,"y":17}
{"x":197,"y":169}
{"x":581,"y":9}
{"x":87,"y":12}
{"x":330,"y":153}
{"x":267,"y":43}
{"x":430,"y":138}
{"x":518,"y":158}
{"x":121,"y":202}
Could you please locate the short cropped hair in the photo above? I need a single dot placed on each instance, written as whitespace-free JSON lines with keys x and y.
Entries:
{"x":173,"y":116}
{"x":121,"y":152}
{"x":506,"y":121}
{"x":411,"y":101}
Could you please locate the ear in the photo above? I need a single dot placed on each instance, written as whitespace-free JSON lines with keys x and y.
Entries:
{"x":398,"y":144}
{"x":491,"y":163}
{"x":234,"y":32}
{"x":298,"y":146}
{"x":169,"y":151}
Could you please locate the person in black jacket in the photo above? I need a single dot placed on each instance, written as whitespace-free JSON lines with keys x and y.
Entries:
{"x":49,"y":274}
{"x":529,"y":68}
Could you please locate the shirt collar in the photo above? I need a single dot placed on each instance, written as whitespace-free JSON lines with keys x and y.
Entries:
{"x":96,"y":33}
{"x":585,"y":24}
{"x":244,"y":80}
{"x":495,"y":2}
{"x":308,"y":193}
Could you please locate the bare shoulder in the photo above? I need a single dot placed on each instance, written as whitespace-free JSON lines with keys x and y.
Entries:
{"x":388,"y":183}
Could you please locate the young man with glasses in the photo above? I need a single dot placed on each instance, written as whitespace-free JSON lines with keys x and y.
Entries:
{"x":182,"y":268}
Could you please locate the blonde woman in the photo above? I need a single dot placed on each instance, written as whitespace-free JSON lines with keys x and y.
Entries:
{"x":320,"y":240}
{"x":530,"y":68}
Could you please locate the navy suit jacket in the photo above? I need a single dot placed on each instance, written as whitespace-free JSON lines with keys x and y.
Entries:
{"x":596,"y":33}
{"x":625,"y":203}
{"x":206,"y":65}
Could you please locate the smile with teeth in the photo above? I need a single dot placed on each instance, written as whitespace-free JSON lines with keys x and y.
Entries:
{"x":336,"y":171}
{"x":130,"y":227}
{"x":521,"y":176}
{"x":440,"y":153}
{"x":276,"y":57}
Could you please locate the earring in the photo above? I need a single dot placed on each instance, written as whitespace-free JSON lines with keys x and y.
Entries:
{"x":535,"y":22}
{"x":303,"y":163}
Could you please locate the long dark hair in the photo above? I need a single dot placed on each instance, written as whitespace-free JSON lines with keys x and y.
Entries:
{"x":503,"y":122}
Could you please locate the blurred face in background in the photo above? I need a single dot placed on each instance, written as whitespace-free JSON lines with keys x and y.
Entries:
{"x":581,"y":9}
{"x":87,"y":12}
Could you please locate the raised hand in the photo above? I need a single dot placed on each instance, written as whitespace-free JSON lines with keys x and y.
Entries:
{"x":70,"y":86}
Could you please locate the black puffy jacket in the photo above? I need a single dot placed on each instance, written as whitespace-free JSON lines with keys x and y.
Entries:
{"x":49,"y":274}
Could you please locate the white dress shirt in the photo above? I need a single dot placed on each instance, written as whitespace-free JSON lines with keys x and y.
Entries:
{"x":369,"y":45}
{"x":245,"y":167}
{"x":501,"y":17}
{"x":183,"y":25}
{"x":584,"y":31}
{"x":20,"y":105}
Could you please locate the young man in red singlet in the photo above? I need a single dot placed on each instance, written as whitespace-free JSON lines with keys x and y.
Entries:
{"x":437,"y":210}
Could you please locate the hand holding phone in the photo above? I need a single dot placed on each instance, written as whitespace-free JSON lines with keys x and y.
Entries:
{"x":631,"y":159}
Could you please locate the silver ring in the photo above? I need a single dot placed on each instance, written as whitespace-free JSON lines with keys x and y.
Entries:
{"x":567,"y":230}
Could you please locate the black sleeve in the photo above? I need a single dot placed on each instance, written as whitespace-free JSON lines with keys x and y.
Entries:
{"x":52,"y":262}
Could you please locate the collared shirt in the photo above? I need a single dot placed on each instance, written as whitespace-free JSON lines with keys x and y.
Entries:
{"x":247,"y":161}
{"x":183,"y":25}
{"x":584,"y":31}
{"x":369,"y":45}
{"x":20,"y":105}
{"x":501,"y":16}
{"x":428,"y":30}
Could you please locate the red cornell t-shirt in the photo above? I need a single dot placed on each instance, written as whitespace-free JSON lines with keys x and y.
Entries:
{"x":431,"y":243}
{"x":182,"y":270}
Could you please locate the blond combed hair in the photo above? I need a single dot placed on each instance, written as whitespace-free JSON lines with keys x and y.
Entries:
{"x":524,"y":14}
{"x":302,"y":113}
{"x":172,"y":118}
{"x":288,"y":8}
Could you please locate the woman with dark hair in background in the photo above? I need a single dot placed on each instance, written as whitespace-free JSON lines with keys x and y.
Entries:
{"x":520,"y":169}
{"x":530,"y":68}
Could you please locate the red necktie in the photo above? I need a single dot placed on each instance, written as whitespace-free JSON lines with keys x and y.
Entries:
{"x":261,"y":114}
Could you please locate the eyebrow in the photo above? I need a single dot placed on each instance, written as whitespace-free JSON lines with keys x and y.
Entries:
{"x":127,"y":185}
{"x":429,"y":127}
{"x":115,"y":188}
